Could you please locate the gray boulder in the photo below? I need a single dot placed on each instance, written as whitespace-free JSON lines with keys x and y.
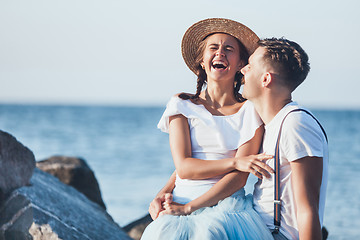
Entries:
{"x":136,"y":228}
{"x":49,"y":209}
{"x":74,"y":172}
{"x":17,"y":163}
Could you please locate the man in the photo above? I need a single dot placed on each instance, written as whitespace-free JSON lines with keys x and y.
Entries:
{"x":275,"y":70}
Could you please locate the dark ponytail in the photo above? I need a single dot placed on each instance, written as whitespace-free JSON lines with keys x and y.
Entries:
{"x":201,"y":81}
{"x":237,"y":85}
{"x":200,"y":73}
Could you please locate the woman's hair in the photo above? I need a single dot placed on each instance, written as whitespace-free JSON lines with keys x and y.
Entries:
{"x":202,"y":77}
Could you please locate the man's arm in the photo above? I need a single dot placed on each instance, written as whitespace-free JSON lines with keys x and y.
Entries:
{"x":306,"y":182}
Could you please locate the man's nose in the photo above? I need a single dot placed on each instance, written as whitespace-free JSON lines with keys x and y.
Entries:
{"x":243,"y":70}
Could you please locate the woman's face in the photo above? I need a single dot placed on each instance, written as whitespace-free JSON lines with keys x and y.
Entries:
{"x":221,"y":58}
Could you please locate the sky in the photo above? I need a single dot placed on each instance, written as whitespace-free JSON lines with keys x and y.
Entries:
{"x":112,"y":52}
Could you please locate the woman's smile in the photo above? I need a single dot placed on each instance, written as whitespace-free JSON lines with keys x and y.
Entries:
{"x":219,"y":65}
{"x":221,"y":57}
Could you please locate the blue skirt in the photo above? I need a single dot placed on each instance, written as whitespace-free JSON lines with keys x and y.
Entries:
{"x":232,"y":218}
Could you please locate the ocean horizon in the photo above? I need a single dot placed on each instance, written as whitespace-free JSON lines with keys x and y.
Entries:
{"x":131,"y":158}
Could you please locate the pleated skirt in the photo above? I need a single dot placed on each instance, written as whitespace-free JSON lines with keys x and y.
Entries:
{"x":232,"y":218}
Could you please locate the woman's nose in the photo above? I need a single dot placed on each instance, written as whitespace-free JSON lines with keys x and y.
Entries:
{"x":220,"y":52}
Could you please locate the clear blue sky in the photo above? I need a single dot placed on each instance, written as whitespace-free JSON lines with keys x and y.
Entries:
{"x":128,"y":52}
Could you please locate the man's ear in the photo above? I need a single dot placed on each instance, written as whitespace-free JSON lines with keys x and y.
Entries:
{"x":267,"y":79}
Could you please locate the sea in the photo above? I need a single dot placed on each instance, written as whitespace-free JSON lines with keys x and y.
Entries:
{"x":131,"y":158}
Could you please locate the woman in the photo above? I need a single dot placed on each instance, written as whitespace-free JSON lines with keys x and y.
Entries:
{"x":213,"y":135}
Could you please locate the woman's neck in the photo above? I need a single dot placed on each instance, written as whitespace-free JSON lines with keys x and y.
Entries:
{"x":219,"y":95}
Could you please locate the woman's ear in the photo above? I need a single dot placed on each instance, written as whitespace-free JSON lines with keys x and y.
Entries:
{"x":239,"y":68}
{"x":241,"y":65}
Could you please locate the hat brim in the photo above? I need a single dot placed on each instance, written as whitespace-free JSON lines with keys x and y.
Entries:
{"x":200,"y":30}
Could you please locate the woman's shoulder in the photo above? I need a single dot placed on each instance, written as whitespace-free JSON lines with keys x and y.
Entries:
{"x":181,"y":103}
{"x":185,"y":98}
{"x":184,"y":95}
{"x":240,"y":109}
{"x":248,"y":108}
{"x":180,"y":106}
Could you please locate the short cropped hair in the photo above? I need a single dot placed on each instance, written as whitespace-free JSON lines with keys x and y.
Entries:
{"x":288,"y":58}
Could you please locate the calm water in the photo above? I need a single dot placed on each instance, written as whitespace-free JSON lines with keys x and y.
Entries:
{"x":132,"y":160}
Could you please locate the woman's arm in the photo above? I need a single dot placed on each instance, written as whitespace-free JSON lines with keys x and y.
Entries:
{"x":188,"y":167}
{"x":156,"y":205}
{"x":226,"y":186}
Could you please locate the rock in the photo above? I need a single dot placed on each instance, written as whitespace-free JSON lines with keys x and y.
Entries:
{"x":17,"y":163}
{"x":49,"y":209}
{"x":76,"y":173}
{"x":325,"y":233}
{"x":136,"y":228}
{"x":42,"y":232}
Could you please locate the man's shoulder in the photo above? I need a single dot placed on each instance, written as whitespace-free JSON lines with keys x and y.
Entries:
{"x":301,"y":118}
{"x":302,"y":136}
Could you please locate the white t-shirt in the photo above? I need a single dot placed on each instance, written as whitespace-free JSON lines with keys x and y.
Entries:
{"x":212,"y":138}
{"x":301,"y":136}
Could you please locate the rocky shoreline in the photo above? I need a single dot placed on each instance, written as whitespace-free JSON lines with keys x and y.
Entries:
{"x":56,"y":198}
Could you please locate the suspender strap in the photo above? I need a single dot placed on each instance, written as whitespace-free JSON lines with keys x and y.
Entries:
{"x":277,"y":201}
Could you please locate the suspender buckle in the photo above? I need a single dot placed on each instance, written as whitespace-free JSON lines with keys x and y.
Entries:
{"x":277,"y":202}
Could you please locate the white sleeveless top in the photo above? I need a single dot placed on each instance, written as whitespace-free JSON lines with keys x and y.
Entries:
{"x":212,"y":138}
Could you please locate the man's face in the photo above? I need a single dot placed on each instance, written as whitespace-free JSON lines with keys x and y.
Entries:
{"x":253,"y":73}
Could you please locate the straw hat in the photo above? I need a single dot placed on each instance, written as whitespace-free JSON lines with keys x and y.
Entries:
{"x":200,"y":30}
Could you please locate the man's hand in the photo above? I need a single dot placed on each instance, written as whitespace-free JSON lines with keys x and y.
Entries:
{"x":254,"y":164}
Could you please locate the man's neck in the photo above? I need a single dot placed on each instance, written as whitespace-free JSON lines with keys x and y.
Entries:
{"x":269,"y":107}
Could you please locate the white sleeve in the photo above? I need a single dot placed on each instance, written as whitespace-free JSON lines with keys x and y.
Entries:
{"x":301,"y":137}
{"x":172,"y":109}
{"x":249,"y":123}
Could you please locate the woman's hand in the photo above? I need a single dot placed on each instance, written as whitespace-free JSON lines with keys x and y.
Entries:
{"x":175,"y":209}
{"x":156,"y":205}
{"x":254,"y":164}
